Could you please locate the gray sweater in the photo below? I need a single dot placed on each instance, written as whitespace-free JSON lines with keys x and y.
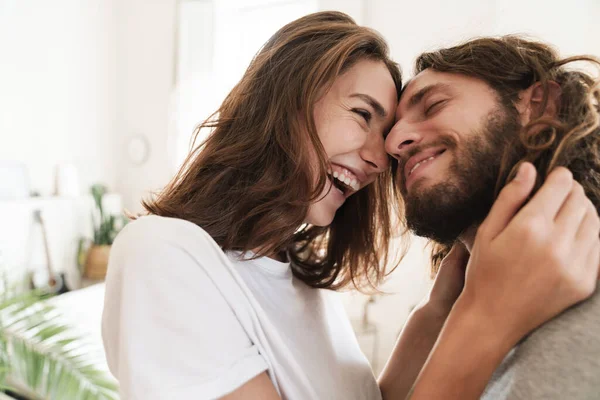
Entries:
{"x":560,"y":360}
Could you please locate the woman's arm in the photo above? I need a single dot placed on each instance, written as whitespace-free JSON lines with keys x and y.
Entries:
{"x":410,"y":353}
{"x":522,"y":272}
{"x":424,"y":324}
{"x":463,"y":359}
{"x":258,"y":388}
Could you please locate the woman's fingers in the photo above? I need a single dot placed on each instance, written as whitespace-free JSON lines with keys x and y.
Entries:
{"x":588,"y":280}
{"x":553,"y":193}
{"x":590,"y":224}
{"x":510,"y":199}
{"x":587,"y":238}
{"x":543,"y":260}
{"x":457,"y":257}
{"x":450,"y":279}
{"x":572,"y":213}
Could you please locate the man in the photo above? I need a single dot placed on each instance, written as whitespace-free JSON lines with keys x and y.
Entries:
{"x":464,"y":122}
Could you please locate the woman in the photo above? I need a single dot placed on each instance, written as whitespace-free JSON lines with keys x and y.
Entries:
{"x":218,"y":292}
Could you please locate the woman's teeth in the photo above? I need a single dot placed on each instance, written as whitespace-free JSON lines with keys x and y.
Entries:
{"x":421,"y":162}
{"x":352,"y":183}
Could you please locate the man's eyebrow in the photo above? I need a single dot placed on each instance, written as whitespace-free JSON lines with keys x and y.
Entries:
{"x":417,"y":97}
{"x":373,"y":103}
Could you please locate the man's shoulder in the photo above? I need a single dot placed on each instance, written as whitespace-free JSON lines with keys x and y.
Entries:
{"x":576,"y":328}
{"x":560,"y":360}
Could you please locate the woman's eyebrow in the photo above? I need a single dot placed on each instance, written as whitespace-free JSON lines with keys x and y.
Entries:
{"x":373,"y":103}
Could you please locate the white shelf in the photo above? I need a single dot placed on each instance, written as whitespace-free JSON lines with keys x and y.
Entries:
{"x":38,"y":200}
{"x":21,"y":241}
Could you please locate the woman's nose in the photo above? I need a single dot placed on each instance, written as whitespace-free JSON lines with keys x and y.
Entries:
{"x":374,"y":154}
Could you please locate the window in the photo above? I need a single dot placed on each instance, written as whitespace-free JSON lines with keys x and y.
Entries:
{"x":216,"y":41}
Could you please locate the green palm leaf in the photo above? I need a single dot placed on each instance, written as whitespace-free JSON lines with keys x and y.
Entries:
{"x":42,"y":355}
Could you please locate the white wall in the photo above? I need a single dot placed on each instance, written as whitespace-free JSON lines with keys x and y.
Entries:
{"x":78,"y":78}
{"x":58,"y":88}
{"x":417,"y":26}
{"x":354,"y":8}
{"x":145,"y":52}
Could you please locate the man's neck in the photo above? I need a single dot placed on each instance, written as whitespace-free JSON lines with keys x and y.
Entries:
{"x":468,"y":237}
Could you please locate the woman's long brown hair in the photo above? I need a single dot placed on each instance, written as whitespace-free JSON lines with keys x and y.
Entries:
{"x":250,"y":183}
{"x":511,"y":64}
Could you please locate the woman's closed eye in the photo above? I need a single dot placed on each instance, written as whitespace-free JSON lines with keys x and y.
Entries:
{"x":366,"y":115}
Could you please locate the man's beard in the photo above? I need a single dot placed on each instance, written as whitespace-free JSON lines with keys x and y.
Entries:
{"x":444,"y":211}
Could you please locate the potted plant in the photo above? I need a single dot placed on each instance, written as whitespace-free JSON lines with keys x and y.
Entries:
{"x":106,"y":227}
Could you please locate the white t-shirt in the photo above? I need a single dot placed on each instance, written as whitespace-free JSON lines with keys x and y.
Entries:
{"x":183,"y":320}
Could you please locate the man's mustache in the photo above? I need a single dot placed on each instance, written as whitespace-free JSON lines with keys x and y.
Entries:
{"x":446,"y":141}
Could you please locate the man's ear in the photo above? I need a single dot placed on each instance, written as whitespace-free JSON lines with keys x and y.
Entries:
{"x":531,"y":102}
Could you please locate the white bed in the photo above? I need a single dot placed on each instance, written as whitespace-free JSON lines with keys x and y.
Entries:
{"x":82,"y":309}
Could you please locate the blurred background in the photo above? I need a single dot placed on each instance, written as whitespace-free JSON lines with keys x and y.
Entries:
{"x":99,"y":98}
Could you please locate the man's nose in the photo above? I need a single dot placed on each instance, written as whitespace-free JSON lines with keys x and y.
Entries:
{"x":400,"y":140}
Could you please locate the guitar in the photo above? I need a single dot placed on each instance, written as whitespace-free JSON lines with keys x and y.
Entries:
{"x":55,"y":283}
